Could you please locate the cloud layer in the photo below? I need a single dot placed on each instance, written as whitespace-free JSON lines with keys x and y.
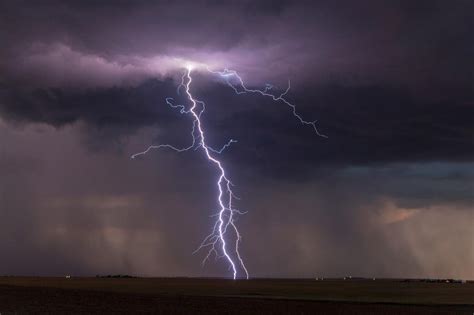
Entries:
{"x":82,"y":87}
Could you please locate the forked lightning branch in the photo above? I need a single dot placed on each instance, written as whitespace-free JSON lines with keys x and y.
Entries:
{"x":225,"y":238}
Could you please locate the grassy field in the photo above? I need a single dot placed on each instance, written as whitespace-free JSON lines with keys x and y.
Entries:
{"x":282,"y":296}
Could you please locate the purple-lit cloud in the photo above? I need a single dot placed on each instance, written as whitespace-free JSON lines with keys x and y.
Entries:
{"x":83,"y":86}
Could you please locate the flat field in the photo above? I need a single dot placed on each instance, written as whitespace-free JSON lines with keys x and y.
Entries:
{"x":218,"y":296}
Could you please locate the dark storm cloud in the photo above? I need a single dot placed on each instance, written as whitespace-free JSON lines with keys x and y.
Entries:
{"x":128,"y":106}
{"x":366,"y":125}
{"x":423,"y":46}
{"x":389,"y":82}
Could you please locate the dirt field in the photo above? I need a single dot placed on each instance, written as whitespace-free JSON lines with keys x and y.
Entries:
{"x":214,"y":296}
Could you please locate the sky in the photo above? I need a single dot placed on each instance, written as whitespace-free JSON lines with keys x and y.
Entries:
{"x":389,"y":193}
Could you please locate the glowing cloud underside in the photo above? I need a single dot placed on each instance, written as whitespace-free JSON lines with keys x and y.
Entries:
{"x":224,"y":239}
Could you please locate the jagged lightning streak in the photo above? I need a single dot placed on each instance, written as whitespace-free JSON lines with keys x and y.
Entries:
{"x":232,"y":74}
{"x":227,"y":213}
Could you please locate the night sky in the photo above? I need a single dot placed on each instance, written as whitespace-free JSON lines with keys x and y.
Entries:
{"x":389,"y":193}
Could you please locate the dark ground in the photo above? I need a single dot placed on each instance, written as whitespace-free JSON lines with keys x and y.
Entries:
{"x":214,"y":296}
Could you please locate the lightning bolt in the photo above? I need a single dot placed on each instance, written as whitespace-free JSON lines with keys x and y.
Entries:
{"x":240,"y":88}
{"x":217,"y":240}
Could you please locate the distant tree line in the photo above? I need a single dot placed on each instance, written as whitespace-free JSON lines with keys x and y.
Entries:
{"x":115,"y":276}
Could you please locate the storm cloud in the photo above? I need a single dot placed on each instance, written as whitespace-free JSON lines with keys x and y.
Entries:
{"x":83,"y":86}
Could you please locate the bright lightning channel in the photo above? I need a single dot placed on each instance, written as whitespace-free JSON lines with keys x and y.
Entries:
{"x":226,"y":216}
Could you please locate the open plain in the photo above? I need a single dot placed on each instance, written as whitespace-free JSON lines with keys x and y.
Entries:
{"x":218,"y":296}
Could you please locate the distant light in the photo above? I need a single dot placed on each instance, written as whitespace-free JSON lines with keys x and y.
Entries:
{"x":190,"y":65}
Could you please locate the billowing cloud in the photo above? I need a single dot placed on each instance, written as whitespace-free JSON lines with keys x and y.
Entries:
{"x":416,"y":46}
{"x":57,"y":65}
{"x":83,"y":86}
